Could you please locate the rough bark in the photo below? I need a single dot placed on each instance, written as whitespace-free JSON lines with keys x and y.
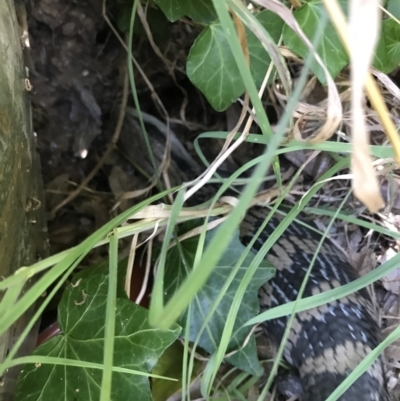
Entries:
{"x":22,"y":213}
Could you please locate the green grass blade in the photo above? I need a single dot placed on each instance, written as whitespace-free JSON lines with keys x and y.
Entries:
{"x":109,"y":330}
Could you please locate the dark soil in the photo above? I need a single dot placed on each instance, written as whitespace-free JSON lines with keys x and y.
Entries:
{"x":77,"y":68}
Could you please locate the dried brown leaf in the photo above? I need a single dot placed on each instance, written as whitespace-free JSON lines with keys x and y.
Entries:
{"x":364,"y":28}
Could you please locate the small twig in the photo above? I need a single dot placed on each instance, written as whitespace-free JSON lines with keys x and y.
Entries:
{"x":131,"y":259}
{"x":145,"y":282}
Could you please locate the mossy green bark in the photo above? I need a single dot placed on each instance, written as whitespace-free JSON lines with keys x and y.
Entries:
{"x":22,"y":215}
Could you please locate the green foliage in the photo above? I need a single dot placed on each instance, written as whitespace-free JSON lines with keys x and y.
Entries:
{"x":81,"y":315}
{"x":330,"y":48}
{"x":178,"y":265}
{"x":388,"y":50}
{"x":212,"y":67}
{"x":201,"y":11}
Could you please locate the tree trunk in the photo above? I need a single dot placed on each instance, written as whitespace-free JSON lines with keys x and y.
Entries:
{"x":22,"y":214}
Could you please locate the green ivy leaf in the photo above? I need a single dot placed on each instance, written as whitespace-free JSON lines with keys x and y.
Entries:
{"x":176,"y":273}
{"x":102,"y":268}
{"x":173,"y":9}
{"x":330,"y":48}
{"x":247,"y":358}
{"x":82,"y":318}
{"x":259,"y":58}
{"x":387,"y":55}
{"x":201,"y":11}
{"x":212,"y":68}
